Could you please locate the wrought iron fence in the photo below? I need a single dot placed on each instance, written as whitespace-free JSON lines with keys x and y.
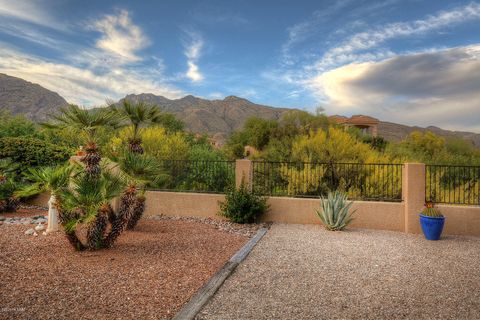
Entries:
{"x":377,"y":182}
{"x":452,"y":184}
{"x":197,"y":175}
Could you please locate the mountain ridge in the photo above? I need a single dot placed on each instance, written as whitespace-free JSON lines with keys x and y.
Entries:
{"x":217,"y":118}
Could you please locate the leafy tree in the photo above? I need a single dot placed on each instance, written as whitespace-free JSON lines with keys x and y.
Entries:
{"x":15,"y":126}
{"x":32,"y":152}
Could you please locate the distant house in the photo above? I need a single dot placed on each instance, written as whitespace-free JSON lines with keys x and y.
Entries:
{"x":366,"y":124}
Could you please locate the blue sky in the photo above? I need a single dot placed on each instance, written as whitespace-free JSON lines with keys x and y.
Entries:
{"x":415,"y":62}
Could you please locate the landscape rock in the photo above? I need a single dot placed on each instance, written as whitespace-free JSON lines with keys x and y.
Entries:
{"x":29,"y":232}
{"x":39,"y":227}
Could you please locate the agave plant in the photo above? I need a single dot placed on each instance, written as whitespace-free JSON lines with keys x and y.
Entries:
{"x":47,"y":179}
{"x":335,"y":211}
{"x":138,"y":114}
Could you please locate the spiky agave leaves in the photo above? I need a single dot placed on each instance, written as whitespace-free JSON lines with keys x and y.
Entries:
{"x":335,"y":211}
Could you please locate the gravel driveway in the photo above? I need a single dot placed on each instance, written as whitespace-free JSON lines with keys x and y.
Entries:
{"x":305,"y":272}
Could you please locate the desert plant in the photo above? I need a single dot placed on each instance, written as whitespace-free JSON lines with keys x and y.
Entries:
{"x":86,"y":202}
{"x":431,"y":211}
{"x":139,"y":171}
{"x":243,"y":205}
{"x":8,"y":186}
{"x":137,"y":114}
{"x":47,"y":179}
{"x":87,"y":122}
{"x":335,"y":211}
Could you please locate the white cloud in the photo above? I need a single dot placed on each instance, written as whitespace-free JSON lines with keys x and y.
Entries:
{"x":29,"y":11}
{"x":92,"y":74}
{"x":121,"y":38}
{"x":83,"y":86}
{"x":439,"y":87}
{"x":193,"y":52}
{"x":348,"y":51}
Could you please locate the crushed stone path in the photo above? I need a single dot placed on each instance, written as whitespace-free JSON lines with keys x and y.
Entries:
{"x":306,"y":272}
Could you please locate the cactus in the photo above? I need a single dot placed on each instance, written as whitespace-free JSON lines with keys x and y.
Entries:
{"x":431,"y":211}
{"x":335,"y":211}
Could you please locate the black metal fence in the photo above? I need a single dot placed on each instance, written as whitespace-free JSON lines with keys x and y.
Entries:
{"x":197,"y":175}
{"x":377,"y":182}
{"x":452,"y":184}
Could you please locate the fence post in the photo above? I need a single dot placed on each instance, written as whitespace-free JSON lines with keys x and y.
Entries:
{"x":244,"y":171}
{"x":413,"y":194}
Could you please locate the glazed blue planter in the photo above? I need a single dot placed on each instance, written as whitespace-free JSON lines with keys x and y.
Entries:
{"x":432,"y":226}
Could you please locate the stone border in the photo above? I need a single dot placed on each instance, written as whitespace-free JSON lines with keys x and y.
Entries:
{"x":199,"y":300}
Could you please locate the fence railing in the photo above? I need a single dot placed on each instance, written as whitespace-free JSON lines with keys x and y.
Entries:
{"x":378,"y":182}
{"x":452,"y":184}
{"x":197,"y":175}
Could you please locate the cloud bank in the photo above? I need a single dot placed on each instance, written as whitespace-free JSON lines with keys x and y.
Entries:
{"x":441,"y":88}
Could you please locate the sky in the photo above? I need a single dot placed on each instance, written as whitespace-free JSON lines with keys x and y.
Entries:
{"x":408,"y":61}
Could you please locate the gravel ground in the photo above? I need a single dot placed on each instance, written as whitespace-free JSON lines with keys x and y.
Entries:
{"x":247,"y":229}
{"x":306,"y":272}
{"x":149,"y":274}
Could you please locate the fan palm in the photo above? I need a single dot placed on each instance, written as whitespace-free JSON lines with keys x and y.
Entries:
{"x":87,"y":122}
{"x":140,"y":171}
{"x":47,"y":179}
{"x":138,"y":114}
{"x":87,"y":201}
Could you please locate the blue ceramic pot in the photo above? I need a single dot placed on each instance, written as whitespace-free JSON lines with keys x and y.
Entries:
{"x":432,"y":227}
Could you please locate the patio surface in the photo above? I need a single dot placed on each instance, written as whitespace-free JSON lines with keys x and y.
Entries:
{"x":305,"y":272}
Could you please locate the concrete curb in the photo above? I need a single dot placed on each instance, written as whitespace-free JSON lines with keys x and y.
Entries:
{"x":190,"y":310}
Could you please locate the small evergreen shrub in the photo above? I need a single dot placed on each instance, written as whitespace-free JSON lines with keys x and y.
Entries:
{"x":335,"y":211}
{"x":32,"y":152}
{"x":242,"y":205}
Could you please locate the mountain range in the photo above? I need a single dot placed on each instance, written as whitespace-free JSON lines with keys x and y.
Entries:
{"x":218,"y":118}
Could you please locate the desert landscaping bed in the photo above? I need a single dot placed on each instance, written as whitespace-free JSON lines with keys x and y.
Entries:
{"x":149,"y":274}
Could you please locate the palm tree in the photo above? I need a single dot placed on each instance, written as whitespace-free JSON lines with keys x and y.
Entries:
{"x":47,"y":179}
{"x":87,"y":202}
{"x":140,"y":171}
{"x":87,"y":122}
{"x":138,"y":114}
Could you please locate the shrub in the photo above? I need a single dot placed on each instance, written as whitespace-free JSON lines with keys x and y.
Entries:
{"x":335,"y":211}
{"x":32,"y":152}
{"x":242,"y":205}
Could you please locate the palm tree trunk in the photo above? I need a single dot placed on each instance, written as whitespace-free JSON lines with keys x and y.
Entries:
{"x":137,"y":212}
{"x":92,"y":159}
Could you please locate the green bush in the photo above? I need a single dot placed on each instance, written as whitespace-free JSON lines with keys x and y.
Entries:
{"x":242,"y":205}
{"x":335,"y":211}
{"x":32,"y":152}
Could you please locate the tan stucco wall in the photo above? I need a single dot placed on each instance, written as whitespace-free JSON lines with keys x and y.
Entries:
{"x":413,"y":194}
{"x":182,"y":204}
{"x":370,"y":215}
{"x":461,"y":220}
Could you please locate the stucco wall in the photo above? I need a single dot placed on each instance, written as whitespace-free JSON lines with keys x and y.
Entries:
{"x":460,"y":220}
{"x":370,"y":215}
{"x":373,"y":215}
